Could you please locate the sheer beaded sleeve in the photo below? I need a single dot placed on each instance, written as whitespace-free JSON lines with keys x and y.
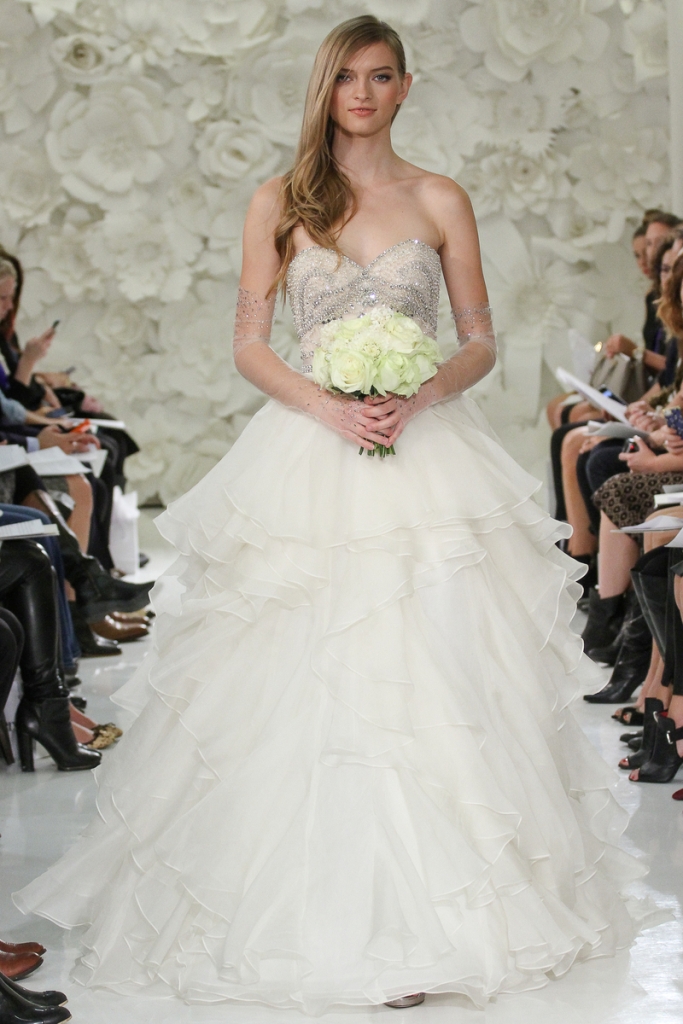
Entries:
{"x":256,"y":360}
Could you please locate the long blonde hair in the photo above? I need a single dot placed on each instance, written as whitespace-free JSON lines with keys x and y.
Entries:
{"x":315,"y":193}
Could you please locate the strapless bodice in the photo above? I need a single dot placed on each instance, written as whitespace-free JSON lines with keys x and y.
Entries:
{"x":322,"y":287}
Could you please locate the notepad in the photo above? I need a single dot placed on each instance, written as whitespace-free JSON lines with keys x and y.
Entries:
{"x":27,"y":529}
{"x":658,"y":524}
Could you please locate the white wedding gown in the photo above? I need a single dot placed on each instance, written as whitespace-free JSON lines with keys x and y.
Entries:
{"x":355,"y":772}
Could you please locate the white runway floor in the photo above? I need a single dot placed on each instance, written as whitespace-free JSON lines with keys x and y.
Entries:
{"x":41,"y":814}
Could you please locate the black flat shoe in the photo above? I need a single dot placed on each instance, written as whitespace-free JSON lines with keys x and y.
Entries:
{"x":665,"y":760}
{"x":49,"y":722}
{"x":631,"y":737}
{"x":78,"y":702}
{"x":49,"y":998}
{"x":16,"y":1009}
{"x":653,"y":708}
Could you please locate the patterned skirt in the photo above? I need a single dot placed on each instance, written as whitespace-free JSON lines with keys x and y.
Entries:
{"x":628,"y":498}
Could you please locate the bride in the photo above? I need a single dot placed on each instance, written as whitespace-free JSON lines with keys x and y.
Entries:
{"x":354,"y":777}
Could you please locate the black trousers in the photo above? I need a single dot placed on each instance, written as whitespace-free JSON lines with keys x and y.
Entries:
{"x":28,"y":589}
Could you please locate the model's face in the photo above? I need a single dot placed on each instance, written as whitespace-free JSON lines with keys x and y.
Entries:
{"x":7,"y":289}
{"x":368,"y":91}
{"x":655,"y":234}
{"x":640,"y":252}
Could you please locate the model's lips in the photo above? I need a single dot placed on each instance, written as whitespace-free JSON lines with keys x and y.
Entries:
{"x":362,"y":111}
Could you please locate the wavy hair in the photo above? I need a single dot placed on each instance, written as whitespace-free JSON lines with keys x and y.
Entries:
{"x":7,"y":324}
{"x":315,"y":193}
{"x":670,"y":309}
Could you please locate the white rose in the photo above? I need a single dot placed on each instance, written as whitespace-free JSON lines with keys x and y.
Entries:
{"x":350,"y":371}
{"x":230,"y":151}
{"x":404,"y":332}
{"x":514,"y":35}
{"x":106,"y":143}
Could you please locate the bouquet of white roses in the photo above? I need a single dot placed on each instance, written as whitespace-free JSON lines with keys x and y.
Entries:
{"x":381,"y":352}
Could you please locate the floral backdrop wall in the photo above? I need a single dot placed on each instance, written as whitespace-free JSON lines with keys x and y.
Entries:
{"x":134,"y":132}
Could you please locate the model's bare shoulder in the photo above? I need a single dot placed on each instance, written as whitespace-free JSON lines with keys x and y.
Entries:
{"x":444,"y":195}
{"x":265,"y":202}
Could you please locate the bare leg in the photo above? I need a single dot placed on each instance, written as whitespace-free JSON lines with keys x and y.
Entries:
{"x":553,"y":411}
{"x":618,"y":554}
{"x":79,"y":520}
{"x":582,"y":541}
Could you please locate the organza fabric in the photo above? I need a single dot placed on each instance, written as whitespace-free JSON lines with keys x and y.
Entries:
{"x":355,"y":772}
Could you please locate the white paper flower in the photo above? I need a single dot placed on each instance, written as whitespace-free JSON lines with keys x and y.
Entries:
{"x":523,"y":116}
{"x":82,"y":57}
{"x":45,"y":11}
{"x":149,"y":259}
{"x":272,"y":88}
{"x":222,"y":28}
{"x":63,"y":255}
{"x":645,"y":38}
{"x":204,"y":88}
{"x":514,"y":183}
{"x":29,"y":188}
{"x":230,"y":151}
{"x":106,"y":143}
{"x":512,"y":34}
{"x":620,"y":169}
{"x":27,"y":76}
{"x":124,"y":326}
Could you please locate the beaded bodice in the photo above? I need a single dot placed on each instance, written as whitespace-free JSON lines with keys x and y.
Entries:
{"x":321,"y":287}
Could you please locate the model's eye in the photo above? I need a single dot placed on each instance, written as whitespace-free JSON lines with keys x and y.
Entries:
{"x":383,"y":78}
{"x":342,"y":77}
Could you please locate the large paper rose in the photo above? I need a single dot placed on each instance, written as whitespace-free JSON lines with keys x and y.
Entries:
{"x":105,"y":144}
{"x":148,"y":258}
{"x":124,"y":326}
{"x":622,"y":168}
{"x":220,"y":28}
{"x":29,"y":188}
{"x":231,"y":151}
{"x":512,"y":34}
{"x":514,"y":183}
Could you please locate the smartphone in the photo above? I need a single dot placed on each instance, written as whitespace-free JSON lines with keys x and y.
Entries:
{"x":56,"y":414}
{"x":55,"y":324}
{"x":69,"y":370}
{"x":610,"y":394}
{"x":674,"y":419}
{"x":631,"y":445}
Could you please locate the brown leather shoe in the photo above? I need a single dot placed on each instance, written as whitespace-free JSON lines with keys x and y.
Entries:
{"x":19,"y":965}
{"x":122,"y":632}
{"x":22,"y":947}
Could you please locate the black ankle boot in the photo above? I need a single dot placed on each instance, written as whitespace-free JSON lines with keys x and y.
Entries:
{"x":653,"y":708}
{"x":91,"y":645}
{"x":97,"y":593}
{"x":604,"y":620}
{"x":48,"y":998}
{"x":49,"y":722}
{"x":632,"y":663}
{"x":665,"y":760}
{"x":591,"y":578}
{"x":5,"y":744}
{"x":608,"y":655}
{"x":16,"y":1008}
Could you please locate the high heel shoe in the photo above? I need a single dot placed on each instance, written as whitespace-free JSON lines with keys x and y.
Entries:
{"x":17,"y":1009}
{"x":22,"y":947}
{"x":665,"y":760}
{"x":653,"y":708}
{"x":629,"y":716}
{"x":49,"y":722}
{"x":413,"y":1000}
{"x":48,"y":998}
{"x":604,"y":620}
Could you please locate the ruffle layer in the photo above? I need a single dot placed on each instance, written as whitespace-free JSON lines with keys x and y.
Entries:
{"x":354,"y":771}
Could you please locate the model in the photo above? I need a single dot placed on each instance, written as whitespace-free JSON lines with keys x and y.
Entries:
{"x":354,"y":777}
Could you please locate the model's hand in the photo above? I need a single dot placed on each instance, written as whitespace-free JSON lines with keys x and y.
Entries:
{"x":364,"y":423}
{"x":642,"y":461}
{"x":617,"y":343}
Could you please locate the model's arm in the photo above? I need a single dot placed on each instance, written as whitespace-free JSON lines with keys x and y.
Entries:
{"x":461,"y":264}
{"x":256,"y":360}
